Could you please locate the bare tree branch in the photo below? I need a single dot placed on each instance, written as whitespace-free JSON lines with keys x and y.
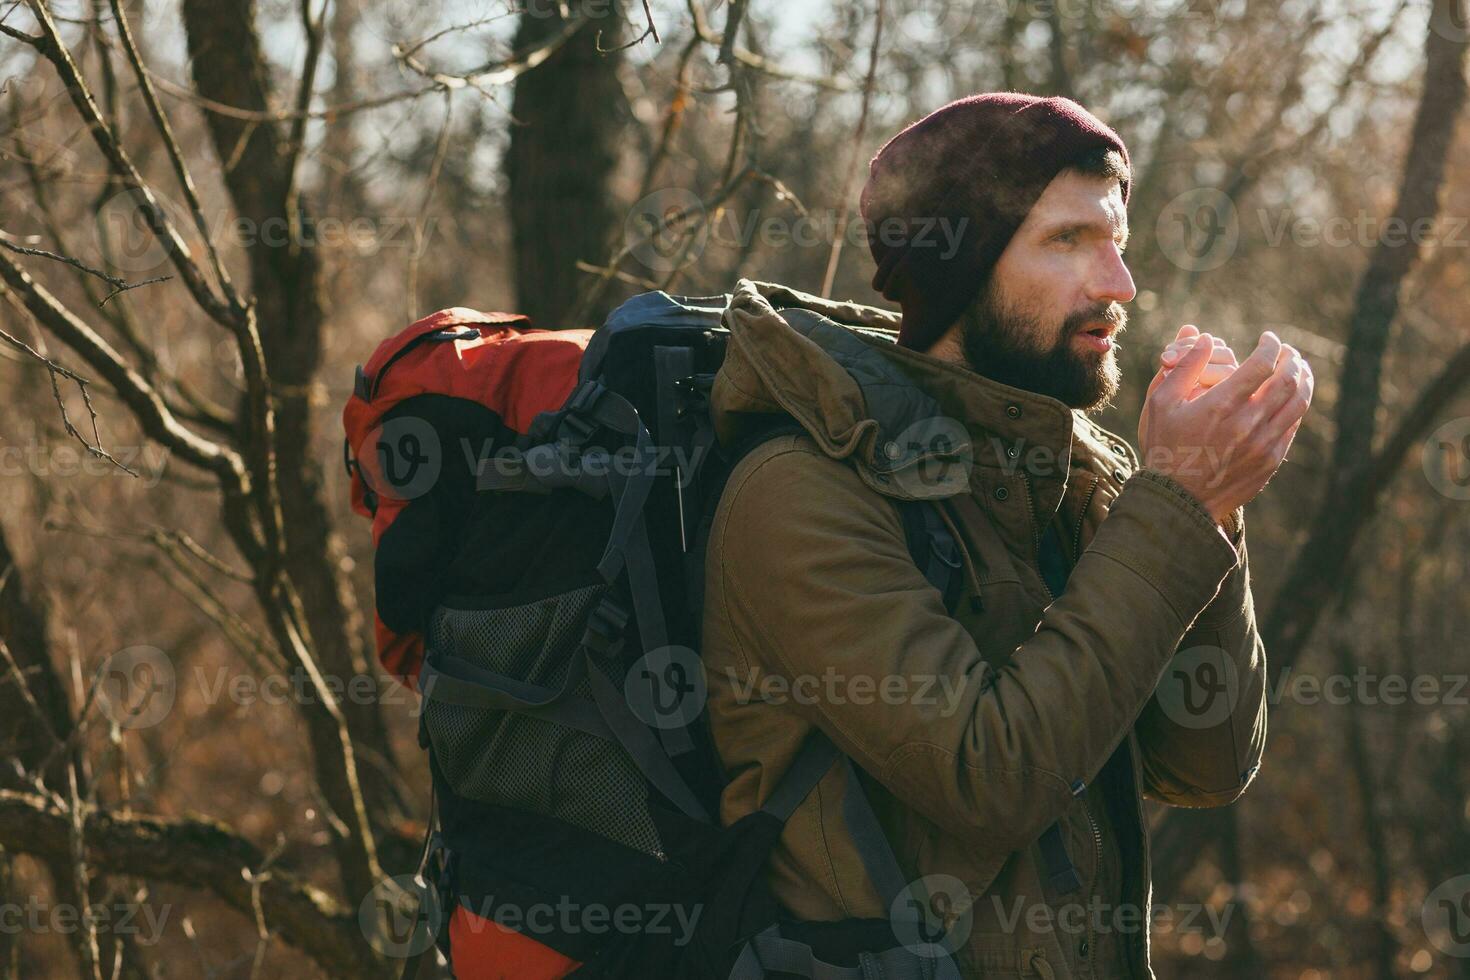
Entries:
{"x":202,"y":854}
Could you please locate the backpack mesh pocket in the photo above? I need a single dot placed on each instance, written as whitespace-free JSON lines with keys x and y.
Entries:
{"x":510,"y":759}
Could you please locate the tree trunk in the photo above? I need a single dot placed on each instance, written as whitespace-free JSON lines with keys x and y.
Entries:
{"x":568,"y":114}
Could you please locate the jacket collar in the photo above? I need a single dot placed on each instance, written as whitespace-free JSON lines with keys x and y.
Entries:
{"x":914,"y":426}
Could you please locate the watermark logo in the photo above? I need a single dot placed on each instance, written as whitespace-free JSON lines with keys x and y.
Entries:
{"x":939,"y":694}
{"x":401,"y":916}
{"x":1448,"y":20}
{"x":1199,"y":688}
{"x":1446,"y":916}
{"x":943,"y":452}
{"x":1446,"y":459}
{"x":136,"y":687}
{"x":402,"y":22}
{"x":666,"y":230}
{"x":402,"y":458}
{"x":123,"y":234}
{"x":1199,"y":229}
{"x":933,"y":916}
{"x":931,"y":21}
{"x":667,"y":688}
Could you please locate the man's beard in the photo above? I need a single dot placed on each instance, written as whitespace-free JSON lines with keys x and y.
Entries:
{"x":1002,"y":343}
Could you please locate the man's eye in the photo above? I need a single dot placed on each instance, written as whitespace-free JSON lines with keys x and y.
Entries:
{"x":1066,"y":238}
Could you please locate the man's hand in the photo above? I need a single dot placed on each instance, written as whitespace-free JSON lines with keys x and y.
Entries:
{"x":1221,"y":365}
{"x":1223,"y":442}
{"x":1222,"y":361}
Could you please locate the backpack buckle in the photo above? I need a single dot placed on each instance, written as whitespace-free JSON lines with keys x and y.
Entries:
{"x":577,"y":421}
{"x":605,"y":626}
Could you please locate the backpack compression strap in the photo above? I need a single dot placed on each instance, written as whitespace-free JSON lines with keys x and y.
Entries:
{"x":770,"y":952}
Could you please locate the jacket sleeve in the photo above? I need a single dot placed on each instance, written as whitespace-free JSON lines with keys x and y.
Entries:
{"x":1203,"y":732}
{"x":810,"y":570}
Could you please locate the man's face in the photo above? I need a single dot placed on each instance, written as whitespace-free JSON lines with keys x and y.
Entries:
{"x":1048,"y":319}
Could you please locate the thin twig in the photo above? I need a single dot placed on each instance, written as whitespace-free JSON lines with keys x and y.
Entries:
{"x":54,"y":370}
{"x":118,"y":285}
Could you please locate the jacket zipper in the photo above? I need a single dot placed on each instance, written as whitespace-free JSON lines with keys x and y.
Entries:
{"x":1087,"y":810}
{"x":1036,"y":536}
{"x":1096,"y":870}
{"x":1082,"y":519}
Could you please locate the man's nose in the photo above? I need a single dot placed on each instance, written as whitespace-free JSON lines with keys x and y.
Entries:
{"x":1112,"y":282}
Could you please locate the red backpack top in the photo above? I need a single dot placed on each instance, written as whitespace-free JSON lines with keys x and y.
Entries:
{"x":395,"y":454}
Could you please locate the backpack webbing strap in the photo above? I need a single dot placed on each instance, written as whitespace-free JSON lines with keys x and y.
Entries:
{"x":1061,"y":874}
{"x":643,"y":587}
{"x":607,"y":717}
{"x":453,"y":680}
{"x":872,"y":844}
{"x":770,"y":952}
{"x":933,"y":547}
{"x":813,"y":760}
{"x":635,"y":738}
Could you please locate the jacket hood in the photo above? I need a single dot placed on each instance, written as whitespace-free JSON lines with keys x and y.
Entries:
{"x":913,"y":426}
{"x":822,"y":364}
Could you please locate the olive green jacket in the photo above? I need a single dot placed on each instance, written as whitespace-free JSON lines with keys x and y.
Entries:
{"x":976,"y":729}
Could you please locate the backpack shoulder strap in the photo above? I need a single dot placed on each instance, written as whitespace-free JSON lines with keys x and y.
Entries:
{"x":933,"y":548}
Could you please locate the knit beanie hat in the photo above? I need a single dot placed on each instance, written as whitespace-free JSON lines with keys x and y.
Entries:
{"x":946,"y":194}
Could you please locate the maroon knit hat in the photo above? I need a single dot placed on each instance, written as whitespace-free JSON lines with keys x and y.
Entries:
{"x":969,"y":170}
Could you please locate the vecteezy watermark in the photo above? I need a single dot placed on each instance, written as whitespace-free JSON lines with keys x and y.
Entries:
{"x":666,"y":688}
{"x":670,"y":228}
{"x":833,"y":687}
{"x":297,"y":688}
{"x":401,"y":459}
{"x":929,"y":457}
{"x":667,"y":229}
{"x":1446,"y":459}
{"x":1361,"y":230}
{"x":1199,"y":688}
{"x":144,"y":922}
{"x":553,"y":463}
{"x":1446,"y":916}
{"x":1097,"y":917}
{"x":933,"y":915}
{"x":125,"y":239}
{"x":567,"y":917}
{"x":401,"y":915}
{"x":136,"y":687}
{"x":67,"y":460}
{"x":1449,"y":22}
{"x":1199,"y":229}
{"x":930,"y":21}
{"x":1370,"y":688}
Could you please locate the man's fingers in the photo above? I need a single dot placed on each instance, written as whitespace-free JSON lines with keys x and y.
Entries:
{"x":1215,"y":372}
{"x":1283,"y":385}
{"x":1251,"y":374}
{"x":1188,"y":330}
{"x":1282,"y":446}
{"x":1295,"y":408}
{"x":1222,"y":354}
{"x":1182,"y":379}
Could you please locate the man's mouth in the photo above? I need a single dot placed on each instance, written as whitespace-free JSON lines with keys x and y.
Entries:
{"x":1098,"y":336}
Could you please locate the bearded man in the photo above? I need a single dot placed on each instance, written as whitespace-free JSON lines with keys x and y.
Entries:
{"x":994,"y":752}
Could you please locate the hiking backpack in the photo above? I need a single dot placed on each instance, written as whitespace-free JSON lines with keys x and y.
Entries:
{"x":540,"y":502}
